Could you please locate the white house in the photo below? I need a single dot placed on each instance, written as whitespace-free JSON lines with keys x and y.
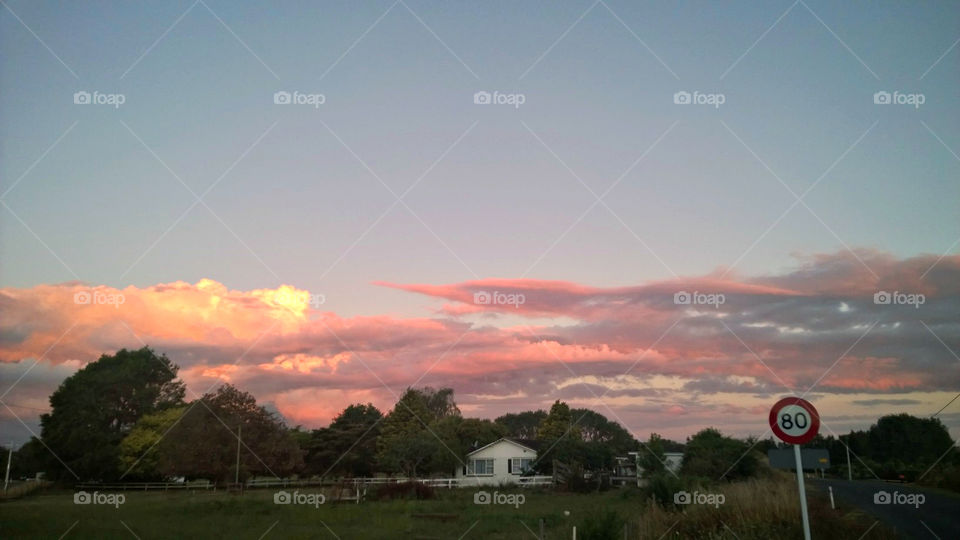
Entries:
{"x":500,"y":462}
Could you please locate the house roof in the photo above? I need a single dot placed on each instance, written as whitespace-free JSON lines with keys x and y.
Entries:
{"x":524,"y":443}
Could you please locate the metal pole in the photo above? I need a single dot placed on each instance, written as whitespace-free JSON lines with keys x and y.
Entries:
{"x":803,"y":492}
{"x":6,"y":479}
{"x":236,"y":478}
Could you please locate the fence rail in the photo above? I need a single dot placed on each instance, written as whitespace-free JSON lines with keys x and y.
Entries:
{"x":449,"y":483}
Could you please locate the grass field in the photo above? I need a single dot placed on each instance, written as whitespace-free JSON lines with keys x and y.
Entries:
{"x":754,"y":510}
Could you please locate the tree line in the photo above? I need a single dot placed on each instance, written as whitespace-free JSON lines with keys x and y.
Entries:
{"x":124,"y":418}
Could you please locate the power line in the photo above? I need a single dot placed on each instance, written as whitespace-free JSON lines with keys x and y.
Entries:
{"x":7,"y":403}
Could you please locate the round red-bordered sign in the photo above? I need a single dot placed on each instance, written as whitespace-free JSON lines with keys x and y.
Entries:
{"x":794,"y":420}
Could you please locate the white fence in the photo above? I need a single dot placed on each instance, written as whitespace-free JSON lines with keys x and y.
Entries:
{"x":449,"y":483}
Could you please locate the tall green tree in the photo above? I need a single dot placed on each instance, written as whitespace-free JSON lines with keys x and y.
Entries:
{"x":203,"y":443}
{"x":710,"y":454}
{"x":96,"y":407}
{"x":347,"y":447}
{"x":408,"y":441}
{"x":138,"y":461}
{"x":651,"y":459}
{"x":595,"y":427}
{"x":522,"y":425}
{"x":558,"y":423}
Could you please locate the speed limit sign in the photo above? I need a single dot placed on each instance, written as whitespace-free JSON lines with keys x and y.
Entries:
{"x":794,"y":420}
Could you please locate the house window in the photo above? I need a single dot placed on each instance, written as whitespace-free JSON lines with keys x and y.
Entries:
{"x":520,"y":465}
{"x":480,"y":467}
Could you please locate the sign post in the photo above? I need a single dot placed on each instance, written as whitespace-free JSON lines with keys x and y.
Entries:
{"x":796,"y":421}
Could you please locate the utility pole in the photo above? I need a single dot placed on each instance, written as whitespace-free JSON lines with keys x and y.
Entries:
{"x":849,"y":470}
{"x":6,"y":479}
{"x":236,"y":477}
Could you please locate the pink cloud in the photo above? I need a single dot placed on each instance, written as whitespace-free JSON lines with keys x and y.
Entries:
{"x":601,"y":342}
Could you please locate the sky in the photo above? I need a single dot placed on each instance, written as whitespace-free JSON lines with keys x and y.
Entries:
{"x":339,"y":249}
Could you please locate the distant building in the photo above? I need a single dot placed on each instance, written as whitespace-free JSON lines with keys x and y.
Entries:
{"x":500,"y":462}
{"x":628,"y":471}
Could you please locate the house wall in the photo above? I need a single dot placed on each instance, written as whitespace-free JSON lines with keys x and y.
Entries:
{"x":500,"y":452}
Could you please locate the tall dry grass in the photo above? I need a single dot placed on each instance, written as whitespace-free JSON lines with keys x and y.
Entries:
{"x":756,"y":509}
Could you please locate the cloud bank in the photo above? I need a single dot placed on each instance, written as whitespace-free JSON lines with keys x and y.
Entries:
{"x":667,"y":356}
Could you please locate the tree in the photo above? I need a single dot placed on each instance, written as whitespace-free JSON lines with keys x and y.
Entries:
{"x":439,"y":402}
{"x":348,"y":446}
{"x":29,"y":459}
{"x":137,"y":460}
{"x":595,"y":427}
{"x":405,"y":445}
{"x":96,"y":407}
{"x":522,"y":425}
{"x":203,"y":444}
{"x":710,"y":454}
{"x":651,"y":459}
{"x":908,"y":439}
{"x":558,"y":424}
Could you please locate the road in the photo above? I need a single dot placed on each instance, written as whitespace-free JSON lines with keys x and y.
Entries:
{"x":915,"y":512}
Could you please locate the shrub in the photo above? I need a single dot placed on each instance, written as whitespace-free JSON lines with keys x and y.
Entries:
{"x":606,"y":526}
{"x":661,"y":487}
{"x":404,"y":490}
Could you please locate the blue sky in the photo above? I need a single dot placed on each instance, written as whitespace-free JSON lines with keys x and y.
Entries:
{"x":598,"y":99}
{"x":308,"y":196}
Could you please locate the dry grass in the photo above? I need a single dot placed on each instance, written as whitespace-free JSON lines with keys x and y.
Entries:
{"x":756,"y":509}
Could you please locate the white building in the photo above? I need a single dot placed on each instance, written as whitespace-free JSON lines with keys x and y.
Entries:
{"x":500,"y":462}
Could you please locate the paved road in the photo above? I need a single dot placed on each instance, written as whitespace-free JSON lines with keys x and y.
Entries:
{"x":936,"y":516}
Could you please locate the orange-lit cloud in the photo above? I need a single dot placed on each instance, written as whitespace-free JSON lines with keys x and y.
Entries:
{"x":632,"y":348}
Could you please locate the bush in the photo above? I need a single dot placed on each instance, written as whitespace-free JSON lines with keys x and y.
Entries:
{"x":404,"y":490}
{"x":661,"y":487}
{"x":575,"y":482}
{"x":606,"y":526}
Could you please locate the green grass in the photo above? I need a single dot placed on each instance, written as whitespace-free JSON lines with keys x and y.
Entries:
{"x":759,"y":510}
